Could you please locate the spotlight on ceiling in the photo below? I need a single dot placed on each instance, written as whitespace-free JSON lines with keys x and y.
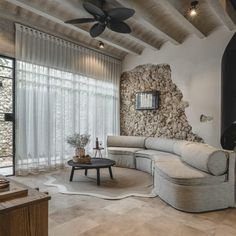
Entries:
{"x":100,"y":44}
{"x":193,"y":8}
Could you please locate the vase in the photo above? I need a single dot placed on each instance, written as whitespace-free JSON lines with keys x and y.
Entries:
{"x":80,"y":152}
{"x":75,"y":159}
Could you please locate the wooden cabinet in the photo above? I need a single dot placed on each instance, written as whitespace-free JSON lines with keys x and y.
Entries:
{"x":25,"y":216}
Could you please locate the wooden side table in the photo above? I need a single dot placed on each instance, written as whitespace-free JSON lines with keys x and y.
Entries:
{"x":98,"y":151}
{"x":25,"y":215}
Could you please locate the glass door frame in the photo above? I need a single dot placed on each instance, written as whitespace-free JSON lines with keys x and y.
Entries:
{"x":13,"y":109}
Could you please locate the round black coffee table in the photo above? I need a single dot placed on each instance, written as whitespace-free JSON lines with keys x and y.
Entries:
{"x":96,"y":163}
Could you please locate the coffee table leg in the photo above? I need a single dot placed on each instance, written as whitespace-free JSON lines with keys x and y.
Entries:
{"x":98,"y":176}
{"x":110,"y":171}
{"x":72,"y":173}
{"x":86,"y":172}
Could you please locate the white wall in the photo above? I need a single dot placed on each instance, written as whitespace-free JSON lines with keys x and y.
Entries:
{"x":196,"y":70}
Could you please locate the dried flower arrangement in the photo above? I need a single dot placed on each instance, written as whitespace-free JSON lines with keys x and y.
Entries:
{"x":78,"y":140}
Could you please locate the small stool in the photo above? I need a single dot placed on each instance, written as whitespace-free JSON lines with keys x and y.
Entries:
{"x":98,"y":151}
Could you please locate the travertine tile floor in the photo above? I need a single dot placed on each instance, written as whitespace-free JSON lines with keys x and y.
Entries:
{"x":87,"y":216}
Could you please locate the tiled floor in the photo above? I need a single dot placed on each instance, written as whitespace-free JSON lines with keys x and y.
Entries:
{"x":84,"y":216}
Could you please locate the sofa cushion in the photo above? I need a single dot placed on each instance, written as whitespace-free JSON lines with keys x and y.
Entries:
{"x":148,"y":153}
{"x":164,"y":156}
{"x":161,"y":144}
{"x":178,"y":172}
{"x":122,"y":150}
{"x":205,"y":158}
{"x":155,"y":155}
{"x":126,"y":141}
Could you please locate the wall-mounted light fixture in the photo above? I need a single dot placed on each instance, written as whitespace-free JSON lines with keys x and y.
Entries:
{"x":193,"y":8}
{"x":205,"y":118}
{"x":100,"y":44}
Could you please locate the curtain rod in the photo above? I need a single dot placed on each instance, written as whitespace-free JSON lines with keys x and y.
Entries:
{"x":70,"y":41}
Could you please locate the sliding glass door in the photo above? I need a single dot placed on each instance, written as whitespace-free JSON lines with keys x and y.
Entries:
{"x":7,"y":115}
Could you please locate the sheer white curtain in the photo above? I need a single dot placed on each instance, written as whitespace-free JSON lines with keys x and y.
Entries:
{"x":61,"y":88}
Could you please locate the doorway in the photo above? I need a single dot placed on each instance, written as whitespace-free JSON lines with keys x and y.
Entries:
{"x":7,"y":120}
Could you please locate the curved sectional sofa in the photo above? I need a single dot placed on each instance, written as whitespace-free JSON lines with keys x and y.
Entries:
{"x":190,"y":176}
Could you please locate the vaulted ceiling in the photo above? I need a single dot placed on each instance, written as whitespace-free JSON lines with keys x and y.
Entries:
{"x":154,"y":23}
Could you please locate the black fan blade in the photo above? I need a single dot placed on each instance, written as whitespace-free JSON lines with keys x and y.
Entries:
{"x":97,"y":29}
{"x":119,"y":26}
{"x":93,"y":10}
{"x":120,"y":13}
{"x":81,"y":20}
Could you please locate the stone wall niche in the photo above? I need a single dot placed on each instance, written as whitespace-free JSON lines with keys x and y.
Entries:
{"x":169,"y":120}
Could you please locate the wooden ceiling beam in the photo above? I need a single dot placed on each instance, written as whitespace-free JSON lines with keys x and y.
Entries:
{"x":143,"y":18}
{"x":181,"y":19}
{"x":27,"y":6}
{"x":14,"y":18}
{"x":142,"y":42}
{"x":225,"y":12}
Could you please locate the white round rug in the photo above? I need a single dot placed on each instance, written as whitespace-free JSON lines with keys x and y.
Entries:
{"x":126,"y":183}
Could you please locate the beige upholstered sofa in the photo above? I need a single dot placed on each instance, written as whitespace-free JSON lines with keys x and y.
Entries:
{"x":192,"y":177}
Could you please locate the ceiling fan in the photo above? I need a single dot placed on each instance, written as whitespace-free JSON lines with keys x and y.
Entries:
{"x":113,"y":19}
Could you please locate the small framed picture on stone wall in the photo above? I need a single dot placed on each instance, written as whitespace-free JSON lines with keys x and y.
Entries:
{"x":147,"y":100}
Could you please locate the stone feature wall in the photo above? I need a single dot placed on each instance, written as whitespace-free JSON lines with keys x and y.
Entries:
{"x":169,"y":120}
{"x":6,"y":128}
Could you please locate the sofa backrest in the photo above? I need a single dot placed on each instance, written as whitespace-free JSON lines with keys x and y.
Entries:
{"x":178,"y":146}
{"x":160,"y":144}
{"x":205,"y":158}
{"x":201,"y":156}
{"x":174,"y":146}
{"x":126,"y":141}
